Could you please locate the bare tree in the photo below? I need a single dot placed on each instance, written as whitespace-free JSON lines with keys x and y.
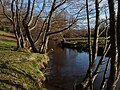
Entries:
{"x":26,"y":24}
{"x":13,"y":20}
{"x":24,"y":18}
{"x":93,"y":72}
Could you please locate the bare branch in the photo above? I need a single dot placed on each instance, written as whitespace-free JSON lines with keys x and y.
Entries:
{"x":42,"y":29}
{"x":50,"y":33}
{"x":12,"y":10}
{"x":86,"y":81}
{"x":59,"y":4}
{"x":27,"y":13}
{"x":4,"y":10}
{"x":31,"y":15}
{"x":103,"y":30}
{"x":36,"y":21}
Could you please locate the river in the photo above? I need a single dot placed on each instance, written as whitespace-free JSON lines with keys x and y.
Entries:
{"x":68,"y":67}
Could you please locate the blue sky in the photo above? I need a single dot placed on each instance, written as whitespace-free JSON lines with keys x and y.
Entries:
{"x":77,"y":4}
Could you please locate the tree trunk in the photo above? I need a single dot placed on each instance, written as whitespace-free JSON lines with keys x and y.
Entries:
{"x":43,"y":48}
{"x":34,"y":49}
{"x":96,"y":33}
{"x":26,"y":27}
{"x":47,"y":29}
{"x":88,"y":81}
{"x":18,"y":28}
{"x":113,"y":78}
{"x":90,"y":70}
{"x":18,"y":36}
{"x":118,"y":35}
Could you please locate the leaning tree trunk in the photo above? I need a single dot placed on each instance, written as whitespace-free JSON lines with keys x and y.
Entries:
{"x":112,"y":81}
{"x":47,"y":29}
{"x":30,"y":40}
{"x":26,"y":28}
{"x":96,"y":33}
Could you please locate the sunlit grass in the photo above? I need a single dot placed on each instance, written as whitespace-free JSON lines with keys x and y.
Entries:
{"x":7,"y":41}
{"x":7,"y":45}
{"x":101,"y":40}
{"x":19,"y":67}
{"x":6,"y":33}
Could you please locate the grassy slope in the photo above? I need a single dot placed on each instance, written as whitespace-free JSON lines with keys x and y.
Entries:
{"x":19,"y":70}
{"x":7,"y":41}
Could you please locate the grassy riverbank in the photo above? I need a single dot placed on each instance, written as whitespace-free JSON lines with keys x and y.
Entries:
{"x":101,"y":40}
{"x":20,"y":70}
{"x":81,"y":44}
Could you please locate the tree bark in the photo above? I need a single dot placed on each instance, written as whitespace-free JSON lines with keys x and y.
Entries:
{"x":26,"y":27}
{"x":14,"y":19}
{"x":42,"y":49}
{"x":118,"y":36}
{"x":113,"y":78}
{"x":96,"y":33}
{"x":90,"y":47}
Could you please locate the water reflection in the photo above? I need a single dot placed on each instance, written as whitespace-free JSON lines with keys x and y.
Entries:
{"x":67,"y":66}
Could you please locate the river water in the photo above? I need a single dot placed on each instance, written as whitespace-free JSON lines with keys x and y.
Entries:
{"x":68,"y":67}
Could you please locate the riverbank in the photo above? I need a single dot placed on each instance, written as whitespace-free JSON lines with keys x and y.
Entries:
{"x":20,"y":69}
{"x":81,"y":44}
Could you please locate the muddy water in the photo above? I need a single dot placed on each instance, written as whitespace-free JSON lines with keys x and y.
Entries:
{"x":68,"y":67}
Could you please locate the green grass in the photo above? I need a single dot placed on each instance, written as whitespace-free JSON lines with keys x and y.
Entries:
{"x":7,"y":45}
{"x":22,"y":69}
{"x":101,"y":40}
{"x":19,"y":70}
{"x":7,"y":41}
